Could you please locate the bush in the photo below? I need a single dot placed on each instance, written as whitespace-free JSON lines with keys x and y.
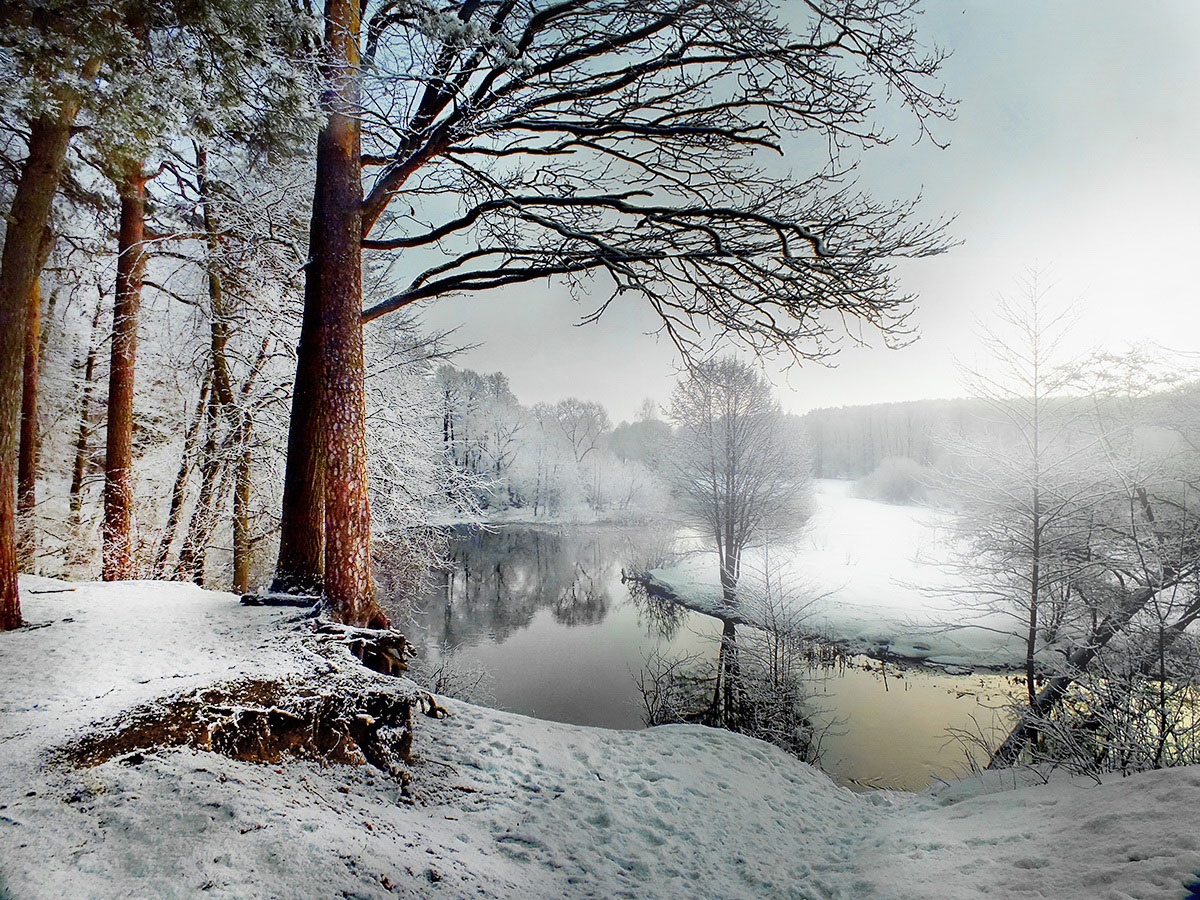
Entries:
{"x":897,"y":480}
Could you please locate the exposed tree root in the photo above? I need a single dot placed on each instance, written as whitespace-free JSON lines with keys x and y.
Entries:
{"x":338,"y":714}
{"x":385,"y":650}
{"x":265,"y":721}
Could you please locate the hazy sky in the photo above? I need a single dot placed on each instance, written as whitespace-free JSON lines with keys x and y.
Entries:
{"x":1076,"y":151}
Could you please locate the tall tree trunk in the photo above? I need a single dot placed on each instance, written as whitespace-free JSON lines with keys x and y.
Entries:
{"x":179,"y":489}
{"x":242,"y":543}
{"x":75,"y":493}
{"x":326,"y":473}
{"x":300,"y":568}
{"x":349,"y":590}
{"x":117,"y":555}
{"x":27,"y":457}
{"x":27,"y":222}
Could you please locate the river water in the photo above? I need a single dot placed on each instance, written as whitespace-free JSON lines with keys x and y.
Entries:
{"x":544,"y":613}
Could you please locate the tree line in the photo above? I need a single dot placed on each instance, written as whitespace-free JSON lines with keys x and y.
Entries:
{"x":457,"y":148}
{"x":562,"y":459}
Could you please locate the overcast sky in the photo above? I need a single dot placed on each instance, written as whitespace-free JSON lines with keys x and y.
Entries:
{"x":1076,"y":151}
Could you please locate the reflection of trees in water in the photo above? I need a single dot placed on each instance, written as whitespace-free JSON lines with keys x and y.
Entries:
{"x":744,"y":689}
{"x":658,"y":615}
{"x":496,"y":581}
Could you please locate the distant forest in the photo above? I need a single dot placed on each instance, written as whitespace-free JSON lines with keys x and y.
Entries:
{"x":851,"y":442}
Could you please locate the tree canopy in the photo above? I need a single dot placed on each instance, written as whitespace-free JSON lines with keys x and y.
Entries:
{"x":510,"y":141}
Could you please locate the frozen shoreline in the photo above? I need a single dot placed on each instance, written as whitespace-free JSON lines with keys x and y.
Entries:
{"x":875,"y":577}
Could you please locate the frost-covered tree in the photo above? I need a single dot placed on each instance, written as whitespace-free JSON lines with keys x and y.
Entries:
{"x":1124,"y":667}
{"x":739,"y":477}
{"x":583,"y":424}
{"x":158,"y":76}
{"x":483,"y":429}
{"x":1026,"y":490}
{"x":547,"y":477}
{"x":646,"y":441}
{"x":49,"y":56}
{"x":490,"y":144}
{"x":200,"y":74}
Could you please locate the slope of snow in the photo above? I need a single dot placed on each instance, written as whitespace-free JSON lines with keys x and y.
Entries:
{"x":880,"y":576}
{"x":501,"y":805}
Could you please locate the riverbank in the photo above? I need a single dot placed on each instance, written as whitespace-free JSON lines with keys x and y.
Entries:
{"x":495,"y":804}
{"x":882,"y":580}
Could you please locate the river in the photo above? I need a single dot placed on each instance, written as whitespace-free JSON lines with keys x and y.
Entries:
{"x":544,"y":612}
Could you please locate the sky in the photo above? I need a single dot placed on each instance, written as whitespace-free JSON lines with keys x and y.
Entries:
{"x":1075,"y":153}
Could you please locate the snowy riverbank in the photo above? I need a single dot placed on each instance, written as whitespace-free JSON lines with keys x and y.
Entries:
{"x":873,"y":575}
{"x":501,"y":805}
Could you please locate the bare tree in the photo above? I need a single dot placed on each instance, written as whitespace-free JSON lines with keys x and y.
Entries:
{"x":759,"y":683}
{"x":739,"y":477}
{"x":583,"y":423}
{"x":1115,"y":692}
{"x":1026,"y":487}
{"x":505,"y":143}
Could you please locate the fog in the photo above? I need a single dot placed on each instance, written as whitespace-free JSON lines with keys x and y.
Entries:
{"x":1072,"y":153}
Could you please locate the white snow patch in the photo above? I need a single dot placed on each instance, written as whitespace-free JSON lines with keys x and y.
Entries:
{"x":505,"y":806}
{"x":883,"y":578}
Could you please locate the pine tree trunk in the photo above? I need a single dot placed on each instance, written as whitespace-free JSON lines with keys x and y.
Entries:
{"x":349,"y":589}
{"x":117,"y":558}
{"x":242,"y":544}
{"x":27,"y":221}
{"x":27,"y":457}
{"x":75,"y":493}
{"x":300,"y":568}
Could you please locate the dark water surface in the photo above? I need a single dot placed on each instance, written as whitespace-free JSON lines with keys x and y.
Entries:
{"x":544,"y":612}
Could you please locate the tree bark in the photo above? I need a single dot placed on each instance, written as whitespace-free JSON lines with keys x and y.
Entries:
{"x":300,"y":568}
{"x":242,"y":544}
{"x":27,"y":457}
{"x":117,"y":554}
{"x":349,"y":589}
{"x":326,"y":528}
{"x":27,"y":221}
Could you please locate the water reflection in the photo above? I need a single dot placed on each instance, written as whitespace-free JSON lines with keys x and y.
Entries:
{"x":497,"y":580}
{"x":662,"y":617}
{"x":546,"y":614}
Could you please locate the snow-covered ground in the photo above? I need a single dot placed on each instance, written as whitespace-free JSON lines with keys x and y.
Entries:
{"x":502,"y":805}
{"x":882,"y":575}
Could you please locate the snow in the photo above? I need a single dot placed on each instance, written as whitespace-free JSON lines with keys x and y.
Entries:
{"x":883,"y":576}
{"x":502,"y":805}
